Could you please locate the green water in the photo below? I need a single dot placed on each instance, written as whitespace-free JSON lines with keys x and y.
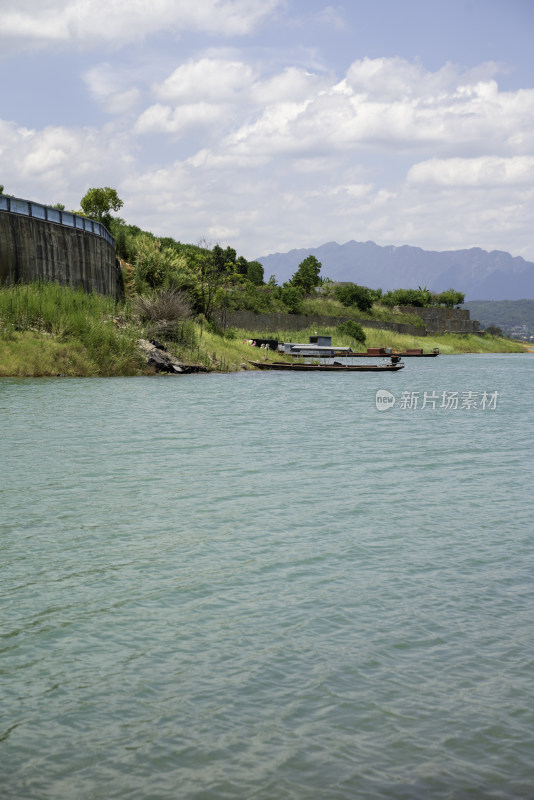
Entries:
{"x":260,"y":586}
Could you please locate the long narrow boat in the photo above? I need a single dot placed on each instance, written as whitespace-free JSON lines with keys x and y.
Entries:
{"x":380,"y":352}
{"x":335,"y":367}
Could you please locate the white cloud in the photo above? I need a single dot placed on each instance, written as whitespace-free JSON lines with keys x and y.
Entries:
{"x":297,"y":157}
{"x":381,"y":105}
{"x":481,"y":172}
{"x":213,"y":79}
{"x":90,"y":21}
{"x":226,"y":92}
{"x":110,"y":88}
{"x":387,"y":104}
{"x":57,"y":164}
{"x":208,"y":160}
{"x":290,"y":85}
{"x":163,"y":119}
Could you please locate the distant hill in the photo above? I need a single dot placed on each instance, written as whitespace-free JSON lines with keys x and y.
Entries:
{"x":477,"y":273}
{"x":505,"y":314}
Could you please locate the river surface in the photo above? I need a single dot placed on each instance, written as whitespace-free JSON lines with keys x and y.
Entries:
{"x":260,"y":586}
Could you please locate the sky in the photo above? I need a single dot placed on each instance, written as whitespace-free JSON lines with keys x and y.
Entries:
{"x":268,"y":125}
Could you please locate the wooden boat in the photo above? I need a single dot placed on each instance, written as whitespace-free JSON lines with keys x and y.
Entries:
{"x":377,"y":352}
{"x":335,"y":367}
{"x":417,"y":353}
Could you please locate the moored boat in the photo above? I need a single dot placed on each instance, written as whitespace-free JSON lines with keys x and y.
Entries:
{"x":335,"y":367}
{"x":376,"y":352}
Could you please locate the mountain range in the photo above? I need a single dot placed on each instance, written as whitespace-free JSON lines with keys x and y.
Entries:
{"x":479,"y":274}
{"x":510,"y":315}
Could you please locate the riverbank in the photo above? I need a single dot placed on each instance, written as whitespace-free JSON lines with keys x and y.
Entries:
{"x":40,"y":354}
{"x":53,"y":331}
{"x":232,"y":350}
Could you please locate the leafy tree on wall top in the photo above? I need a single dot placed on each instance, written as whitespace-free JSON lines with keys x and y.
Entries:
{"x":422,"y":297}
{"x":450,"y":298}
{"x":406,"y":297}
{"x":98,"y":202}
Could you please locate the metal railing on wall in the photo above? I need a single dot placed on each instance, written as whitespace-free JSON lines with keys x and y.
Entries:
{"x":48,"y":214}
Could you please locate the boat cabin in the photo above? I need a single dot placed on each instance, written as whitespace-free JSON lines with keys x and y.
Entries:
{"x":318,"y":347}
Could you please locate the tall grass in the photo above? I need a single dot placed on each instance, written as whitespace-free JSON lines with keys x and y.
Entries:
{"x":377,"y":337}
{"x":69,"y":316}
{"x":330,"y":307}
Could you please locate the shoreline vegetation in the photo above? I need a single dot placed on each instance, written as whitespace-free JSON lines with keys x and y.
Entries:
{"x":172,"y":291}
{"x":47,"y":330}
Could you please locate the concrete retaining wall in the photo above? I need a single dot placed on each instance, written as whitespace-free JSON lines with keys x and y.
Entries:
{"x":438,"y":319}
{"x":249,"y":320}
{"x":32,"y":249}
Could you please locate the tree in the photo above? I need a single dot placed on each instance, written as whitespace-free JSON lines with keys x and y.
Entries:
{"x":242,"y":266}
{"x":494,"y":330}
{"x":451,"y":298}
{"x":354,"y":295}
{"x":215,"y":271}
{"x":255,"y":273}
{"x":307,"y":275}
{"x":1,"y":188}
{"x":97,"y":204}
{"x":405,"y":297}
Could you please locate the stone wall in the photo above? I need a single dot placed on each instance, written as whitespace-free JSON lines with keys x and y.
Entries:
{"x":438,"y":319}
{"x":33,"y":249}
{"x":249,"y":320}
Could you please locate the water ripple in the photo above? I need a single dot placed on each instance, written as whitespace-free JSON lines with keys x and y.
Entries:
{"x":258,"y":586}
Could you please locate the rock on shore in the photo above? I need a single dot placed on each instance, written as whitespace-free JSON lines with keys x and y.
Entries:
{"x":162,"y":361}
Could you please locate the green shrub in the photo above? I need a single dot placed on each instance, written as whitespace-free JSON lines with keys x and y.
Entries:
{"x":159,"y":267}
{"x":352,"y":329}
{"x":292,"y":299}
{"x":406,"y":297}
{"x":249,"y":297}
{"x":354,"y":295}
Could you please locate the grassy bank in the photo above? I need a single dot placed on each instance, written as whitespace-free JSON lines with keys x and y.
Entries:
{"x":330,"y":307}
{"x":48,"y":330}
{"x":448,"y":343}
{"x":375,"y":337}
{"x":233,"y":351}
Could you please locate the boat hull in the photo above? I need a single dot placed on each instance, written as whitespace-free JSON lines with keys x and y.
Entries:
{"x":385,"y":355}
{"x":283,"y":366}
